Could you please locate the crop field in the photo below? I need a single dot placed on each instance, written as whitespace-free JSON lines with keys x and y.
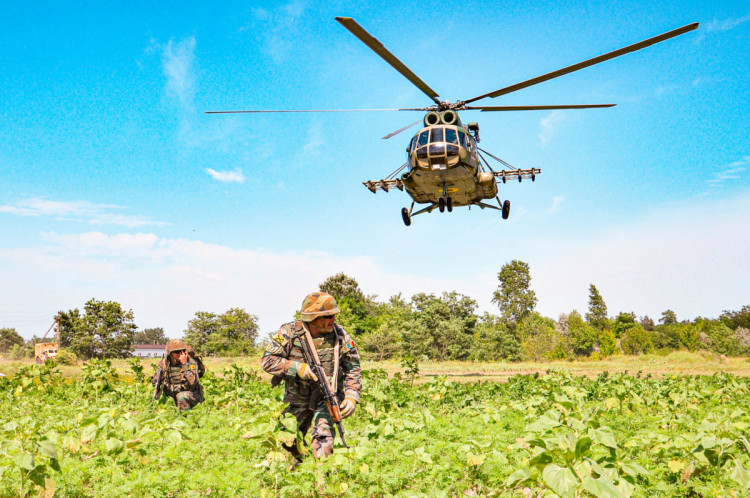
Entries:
{"x":452,"y":430}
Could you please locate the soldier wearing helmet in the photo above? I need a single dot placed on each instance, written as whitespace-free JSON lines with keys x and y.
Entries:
{"x":284,"y":359}
{"x":182,"y":371}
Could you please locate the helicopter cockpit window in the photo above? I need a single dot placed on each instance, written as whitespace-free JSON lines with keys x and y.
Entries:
{"x":437,"y":135}
{"x":462,"y":138}
{"x":424,"y":138}
{"x":450,"y":136}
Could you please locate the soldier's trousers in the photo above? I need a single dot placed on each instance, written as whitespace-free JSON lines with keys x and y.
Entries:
{"x":322,"y":428}
{"x":185,"y":400}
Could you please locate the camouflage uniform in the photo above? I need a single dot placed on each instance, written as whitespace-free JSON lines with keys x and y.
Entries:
{"x":282,"y":358}
{"x":181,"y":383}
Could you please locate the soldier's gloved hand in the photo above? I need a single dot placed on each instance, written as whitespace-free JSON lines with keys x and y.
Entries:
{"x":347,"y":407}
{"x":304,"y":372}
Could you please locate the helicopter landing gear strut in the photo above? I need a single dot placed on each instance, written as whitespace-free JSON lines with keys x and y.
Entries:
{"x":445,"y":201}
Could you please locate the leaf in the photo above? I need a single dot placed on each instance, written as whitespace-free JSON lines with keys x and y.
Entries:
{"x":114,"y":446}
{"x":560,"y":479}
{"x":740,"y":475}
{"x":48,"y":449}
{"x":520,"y":476}
{"x":364,"y":469}
{"x":343,"y":486}
{"x":601,"y":487}
{"x":676,"y":465}
{"x":24,"y":460}
{"x":174,"y":437}
{"x":634,"y":470}
{"x":583,"y":446}
{"x":475,"y":460}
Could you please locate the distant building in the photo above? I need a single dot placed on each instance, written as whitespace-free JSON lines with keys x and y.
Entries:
{"x":148,"y":350}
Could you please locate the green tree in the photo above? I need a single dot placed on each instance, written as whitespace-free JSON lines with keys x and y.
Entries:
{"x":232,"y":333}
{"x":668,"y":317}
{"x":199,"y":329}
{"x":735,"y":319}
{"x":441,"y":328}
{"x":607,"y":343}
{"x":721,"y":339}
{"x":8,"y":339}
{"x":623,"y":322}
{"x":597,"y":315}
{"x":150,"y":336}
{"x":667,"y":337}
{"x":104,"y":329}
{"x":636,"y":340}
{"x":538,"y":337}
{"x":514,"y":297}
{"x":647,"y":323}
{"x":385,"y":341}
{"x":582,"y":335}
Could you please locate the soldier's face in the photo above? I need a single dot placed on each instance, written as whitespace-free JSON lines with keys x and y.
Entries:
{"x":179,"y":356}
{"x":325,"y":323}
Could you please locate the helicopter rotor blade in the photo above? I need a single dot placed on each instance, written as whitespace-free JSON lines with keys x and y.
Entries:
{"x":307,"y":110}
{"x":587,"y":63}
{"x":400,"y":130}
{"x":535,"y":107}
{"x":377,"y":47}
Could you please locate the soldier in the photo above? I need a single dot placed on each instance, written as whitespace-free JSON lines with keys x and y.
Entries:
{"x":182,"y":372}
{"x":284,"y":360}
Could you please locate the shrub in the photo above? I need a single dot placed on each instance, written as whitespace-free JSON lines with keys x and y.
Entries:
{"x":636,"y":340}
{"x":65,"y":357}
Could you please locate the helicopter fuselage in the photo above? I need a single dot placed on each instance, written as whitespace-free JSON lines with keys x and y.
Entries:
{"x":443,"y":161}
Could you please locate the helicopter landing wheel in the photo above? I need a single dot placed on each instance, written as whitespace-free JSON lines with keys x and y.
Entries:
{"x":441,"y":204}
{"x":506,"y":209}
{"x":449,"y":203}
{"x":405,"y":215}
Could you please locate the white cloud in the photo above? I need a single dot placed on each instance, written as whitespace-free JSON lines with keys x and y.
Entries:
{"x":691,"y":258}
{"x":227,"y":176}
{"x":549,"y":126}
{"x":556,"y":202}
{"x":729,"y":172}
{"x":178,"y":59}
{"x":719,"y":26}
{"x":78,"y":211}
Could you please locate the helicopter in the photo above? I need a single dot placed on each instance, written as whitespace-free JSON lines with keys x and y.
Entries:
{"x":445,"y":167}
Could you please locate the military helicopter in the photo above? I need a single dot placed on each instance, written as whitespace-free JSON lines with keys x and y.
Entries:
{"x":445,"y":168}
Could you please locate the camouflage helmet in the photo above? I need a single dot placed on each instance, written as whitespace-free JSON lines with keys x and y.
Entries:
{"x":175,"y":345}
{"x":318,"y":304}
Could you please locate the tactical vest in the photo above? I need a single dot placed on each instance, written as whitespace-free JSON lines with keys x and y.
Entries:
{"x":176,"y":376}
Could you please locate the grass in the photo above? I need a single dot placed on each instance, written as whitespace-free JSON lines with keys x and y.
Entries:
{"x":679,"y":362}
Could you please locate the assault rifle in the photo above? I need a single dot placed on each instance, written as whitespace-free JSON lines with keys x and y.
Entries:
{"x":159,"y":384}
{"x":332,"y":402}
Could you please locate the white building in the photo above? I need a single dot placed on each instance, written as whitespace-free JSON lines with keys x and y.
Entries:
{"x":148,"y":350}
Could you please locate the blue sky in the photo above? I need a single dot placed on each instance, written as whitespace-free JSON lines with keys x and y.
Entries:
{"x":117,"y":186}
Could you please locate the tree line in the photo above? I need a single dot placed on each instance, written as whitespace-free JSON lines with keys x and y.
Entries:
{"x":425,"y":326}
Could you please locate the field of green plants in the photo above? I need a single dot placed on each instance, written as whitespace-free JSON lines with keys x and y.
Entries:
{"x":551,"y":434}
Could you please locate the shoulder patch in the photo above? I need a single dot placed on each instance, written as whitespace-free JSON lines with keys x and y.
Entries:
{"x":350,"y":344}
{"x":280,"y":339}
{"x":193,"y":366}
